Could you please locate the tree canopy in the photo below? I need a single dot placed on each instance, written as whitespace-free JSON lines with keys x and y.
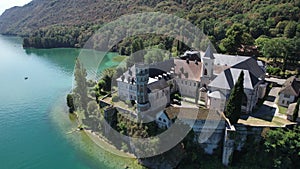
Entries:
{"x":283,"y":146}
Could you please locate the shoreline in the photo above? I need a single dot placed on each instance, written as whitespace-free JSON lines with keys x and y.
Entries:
{"x":100,"y":141}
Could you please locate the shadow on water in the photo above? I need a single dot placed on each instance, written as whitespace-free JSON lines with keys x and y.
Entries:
{"x":62,"y":58}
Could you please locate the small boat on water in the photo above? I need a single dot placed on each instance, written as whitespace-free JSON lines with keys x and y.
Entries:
{"x":26,"y":78}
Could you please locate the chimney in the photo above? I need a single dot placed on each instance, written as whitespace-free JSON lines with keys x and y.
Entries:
{"x":129,"y":71}
{"x":128,"y":79}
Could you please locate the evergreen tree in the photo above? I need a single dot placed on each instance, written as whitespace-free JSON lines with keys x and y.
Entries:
{"x":70,"y":103}
{"x":234,"y":104}
{"x":81,"y":85}
{"x":296,"y":110}
{"x":107,"y":78}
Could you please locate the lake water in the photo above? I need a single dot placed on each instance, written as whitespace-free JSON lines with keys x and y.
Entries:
{"x":33,"y":117}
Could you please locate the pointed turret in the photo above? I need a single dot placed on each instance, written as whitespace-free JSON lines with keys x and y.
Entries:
{"x":208,"y":61}
{"x":209,"y":52}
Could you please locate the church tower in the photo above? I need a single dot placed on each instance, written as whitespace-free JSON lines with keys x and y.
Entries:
{"x":208,"y":61}
{"x":142,"y":78}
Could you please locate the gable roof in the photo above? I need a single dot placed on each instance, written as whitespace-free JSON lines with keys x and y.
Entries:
{"x":217,"y":94}
{"x":190,"y":70}
{"x":160,"y":68}
{"x":228,"y":78}
{"x":158,"y":85}
{"x":219,"y":69}
{"x":155,"y":69}
{"x":128,"y":75}
{"x":252,"y":66}
{"x":229,"y":60}
{"x":291,"y":86}
{"x":192,"y":113}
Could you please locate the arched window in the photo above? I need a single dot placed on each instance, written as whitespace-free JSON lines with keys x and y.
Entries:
{"x":205,"y":71}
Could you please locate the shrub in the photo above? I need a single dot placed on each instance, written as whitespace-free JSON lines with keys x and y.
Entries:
{"x":115,"y":99}
{"x":91,"y":83}
{"x":128,"y":102}
{"x":176,"y":96}
{"x":273,"y":70}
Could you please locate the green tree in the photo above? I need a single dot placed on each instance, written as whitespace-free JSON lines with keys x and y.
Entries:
{"x":154,"y":55}
{"x":100,"y":85}
{"x":137,"y":55}
{"x":234,"y":104}
{"x":260,"y":42}
{"x":81,"y":84}
{"x":296,"y":111}
{"x":283,"y":146}
{"x":236,"y":39}
{"x":290,"y":30}
{"x":107,"y":77}
{"x":70,"y":103}
{"x":269,"y":49}
{"x":278,"y":48}
{"x":93,"y":108}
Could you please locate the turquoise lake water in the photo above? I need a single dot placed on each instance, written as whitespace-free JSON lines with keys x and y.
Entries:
{"x":33,"y":118}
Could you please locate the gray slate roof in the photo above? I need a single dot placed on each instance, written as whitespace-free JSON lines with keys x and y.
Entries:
{"x":227,"y":68}
{"x":291,"y":86}
{"x":209,"y":53}
{"x":158,"y":85}
{"x":228,"y":78}
{"x":251,"y":65}
{"x":291,"y":108}
{"x":229,"y":60}
{"x":216,"y":94}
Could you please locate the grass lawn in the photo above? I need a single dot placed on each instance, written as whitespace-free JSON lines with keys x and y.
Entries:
{"x":282,"y":110}
{"x":119,"y":58}
{"x":276,"y":121}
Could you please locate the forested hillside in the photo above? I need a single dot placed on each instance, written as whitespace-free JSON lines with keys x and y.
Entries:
{"x":269,"y":28}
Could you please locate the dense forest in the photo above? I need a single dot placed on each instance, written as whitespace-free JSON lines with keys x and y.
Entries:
{"x":268,"y":28}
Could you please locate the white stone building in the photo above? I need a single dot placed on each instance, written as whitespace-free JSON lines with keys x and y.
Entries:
{"x":289,"y":92}
{"x":200,"y":77}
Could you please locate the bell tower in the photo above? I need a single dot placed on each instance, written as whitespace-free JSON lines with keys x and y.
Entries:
{"x":142,"y":78}
{"x":208,"y":61}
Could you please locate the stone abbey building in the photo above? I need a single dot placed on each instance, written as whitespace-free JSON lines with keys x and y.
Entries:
{"x":201,"y":78}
